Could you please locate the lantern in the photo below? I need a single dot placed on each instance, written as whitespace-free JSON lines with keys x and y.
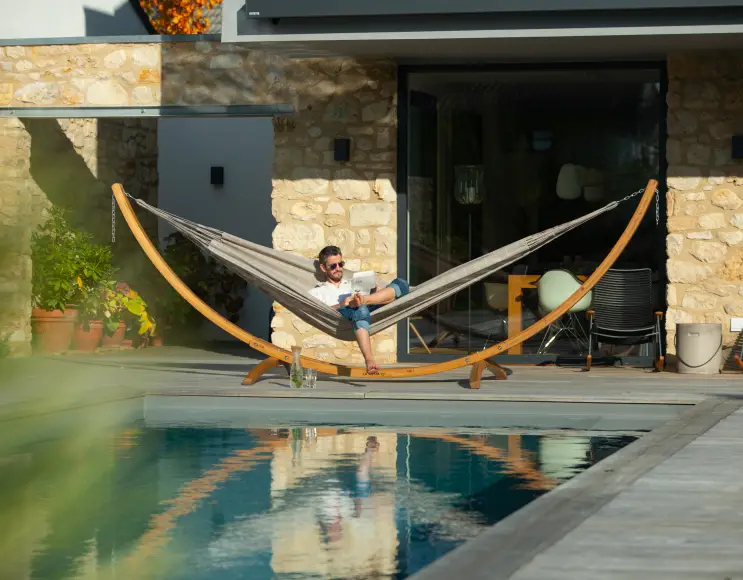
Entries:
{"x":469,"y":184}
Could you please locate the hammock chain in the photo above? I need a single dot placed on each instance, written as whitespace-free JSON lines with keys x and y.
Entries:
{"x":113,"y":219}
{"x":657,"y":202}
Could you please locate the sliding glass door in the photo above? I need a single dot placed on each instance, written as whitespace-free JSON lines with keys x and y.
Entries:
{"x":493,"y":156}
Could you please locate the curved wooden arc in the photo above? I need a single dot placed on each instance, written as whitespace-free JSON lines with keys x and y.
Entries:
{"x":386,"y":373}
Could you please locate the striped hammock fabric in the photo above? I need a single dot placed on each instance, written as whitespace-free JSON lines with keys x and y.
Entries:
{"x":288,"y":278}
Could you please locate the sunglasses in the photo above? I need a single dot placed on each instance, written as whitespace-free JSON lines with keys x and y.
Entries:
{"x":335,"y":266}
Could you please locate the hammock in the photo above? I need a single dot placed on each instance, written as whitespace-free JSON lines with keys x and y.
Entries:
{"x":287,"y":278}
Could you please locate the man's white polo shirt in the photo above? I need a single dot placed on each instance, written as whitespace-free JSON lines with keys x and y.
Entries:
{"x":331,"y":294}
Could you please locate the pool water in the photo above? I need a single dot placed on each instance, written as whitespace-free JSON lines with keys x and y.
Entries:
{"x":213,"y":503}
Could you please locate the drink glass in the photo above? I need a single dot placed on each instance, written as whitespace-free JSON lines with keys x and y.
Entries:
{"x":309,"y":378}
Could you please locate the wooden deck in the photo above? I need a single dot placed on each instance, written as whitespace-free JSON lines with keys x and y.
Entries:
{"x":669,"y":506}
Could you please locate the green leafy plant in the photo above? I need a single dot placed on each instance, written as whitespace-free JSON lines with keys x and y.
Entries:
{"x":208,"y":279}
{"x":68,"y":266}
{"x":5,"y":346}
{"x":135,"y":306}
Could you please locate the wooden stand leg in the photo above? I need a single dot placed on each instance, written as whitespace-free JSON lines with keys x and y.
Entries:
{"x":499,"y":372}
{"x":479,"y":367}
{"x":739,"y":361}
{"x":260,"y":369}
{"x":659,"y":364}
{"x":476,"y":374}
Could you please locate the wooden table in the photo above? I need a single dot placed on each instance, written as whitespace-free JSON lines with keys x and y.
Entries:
{"x":516,"y":285}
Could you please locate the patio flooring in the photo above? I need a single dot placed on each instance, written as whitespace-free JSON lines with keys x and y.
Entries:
{"x":51,"y":381}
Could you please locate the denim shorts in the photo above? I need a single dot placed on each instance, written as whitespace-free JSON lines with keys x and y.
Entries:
{"x":361,"y":317}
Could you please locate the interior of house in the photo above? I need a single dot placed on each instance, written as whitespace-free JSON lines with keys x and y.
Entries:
{"x":494,"y":156}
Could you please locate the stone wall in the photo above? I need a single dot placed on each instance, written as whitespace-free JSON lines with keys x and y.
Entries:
{"x":70,"y":163}
{"x":144,"y":74}
{"x":317,"y":201}
{"x":705,"y":191}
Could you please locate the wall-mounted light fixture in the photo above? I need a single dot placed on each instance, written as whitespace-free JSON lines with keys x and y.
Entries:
{"x":736,"y":147}
{"x":217,"y":175}
{"x":342,"y":149}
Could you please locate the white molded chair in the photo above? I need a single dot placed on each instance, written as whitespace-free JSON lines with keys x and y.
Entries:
{"x":553,"y":288}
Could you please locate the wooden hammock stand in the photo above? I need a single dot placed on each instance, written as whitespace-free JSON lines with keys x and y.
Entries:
{"x":479,"y":361}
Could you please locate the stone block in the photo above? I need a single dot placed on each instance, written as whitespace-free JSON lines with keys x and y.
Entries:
{"x":385,"y":241}
{"x":384,"y":189}
{"x":726,"y":199}
{"x":283,"y":339}
{"x":298,"y":237}
{"x":737,"y":220}
{"x":370,"y":214}
{"x":344,"y":239}
{"x":115,"y":60}
{"x":348,"y":185}
{"x":38,"y":93}
{"x":305,"y":211}
{"x":682,"y":223}
{"x":708,"y":252}
{"x":310,"y":181}
{"x":712,"y":221}
{"x":676,"y":316}
{"x":699,"y":235}
{"x":698,"y":154}
{"x":335,"y":208}
{"x":699,"y":300}
{"x":719,"y":287}
{"x":731,"y":238}
{"x":734,"y":308}
{"x":687,"y":272}
{"x":146,"y":56}
{"x":106,"y":93}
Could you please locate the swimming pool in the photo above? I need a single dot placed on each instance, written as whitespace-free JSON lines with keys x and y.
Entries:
{"x":184,"y":503}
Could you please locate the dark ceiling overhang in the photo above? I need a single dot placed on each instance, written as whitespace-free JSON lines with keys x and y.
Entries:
{"x":556,"y":35}
{"x":273,"y":9}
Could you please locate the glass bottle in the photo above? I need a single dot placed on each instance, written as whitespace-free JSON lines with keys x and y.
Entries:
{"x":295,"y":373}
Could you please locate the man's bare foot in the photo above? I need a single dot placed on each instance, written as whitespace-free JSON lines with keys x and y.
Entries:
{"x":372,"y":367}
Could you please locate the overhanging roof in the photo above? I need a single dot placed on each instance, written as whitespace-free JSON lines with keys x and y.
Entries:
{"x":157,"y":112}
{"x":555,"y":35}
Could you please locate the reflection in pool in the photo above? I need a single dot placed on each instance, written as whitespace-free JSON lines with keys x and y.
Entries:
{"x":202,"y":504}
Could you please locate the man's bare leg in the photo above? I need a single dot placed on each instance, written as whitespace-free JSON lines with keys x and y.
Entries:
{"x":383,"y":296}
{"x":362,"y":337}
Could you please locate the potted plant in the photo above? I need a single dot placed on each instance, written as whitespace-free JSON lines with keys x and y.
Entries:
{"x":67,"y":268}
{"x":114,"y":327}
{"x":99,"y":278}
{"x":135,"y":309}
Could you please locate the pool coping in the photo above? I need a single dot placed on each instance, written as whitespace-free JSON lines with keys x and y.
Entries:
{"x":499,"y":552}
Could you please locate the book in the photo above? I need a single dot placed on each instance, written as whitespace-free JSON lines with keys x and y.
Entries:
{"x":364,"y":282}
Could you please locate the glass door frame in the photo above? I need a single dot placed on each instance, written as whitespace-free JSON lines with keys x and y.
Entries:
{"x":403,"y":230}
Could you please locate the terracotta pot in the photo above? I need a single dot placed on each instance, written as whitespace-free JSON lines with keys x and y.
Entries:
{"x":53,"y":329}
{"x":87,"y":340}
{"x":126,"y":343}
{"x":117,"y":337}
{"x":156,"y":341}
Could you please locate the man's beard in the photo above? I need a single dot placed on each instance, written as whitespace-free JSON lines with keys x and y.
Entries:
{"x":335,"y":275}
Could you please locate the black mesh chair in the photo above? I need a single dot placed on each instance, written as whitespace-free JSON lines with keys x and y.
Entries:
{"x":622,"y":312}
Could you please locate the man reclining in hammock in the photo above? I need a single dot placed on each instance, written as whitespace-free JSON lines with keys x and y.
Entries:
{"x":338,"y":294}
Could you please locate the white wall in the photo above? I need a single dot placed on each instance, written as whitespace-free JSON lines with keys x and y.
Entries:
{"x":68,"y":18}
{"x":187,"y":148}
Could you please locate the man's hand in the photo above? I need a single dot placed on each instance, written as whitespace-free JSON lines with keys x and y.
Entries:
{"x":356,"y":300}
{"x":346,"y":301}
